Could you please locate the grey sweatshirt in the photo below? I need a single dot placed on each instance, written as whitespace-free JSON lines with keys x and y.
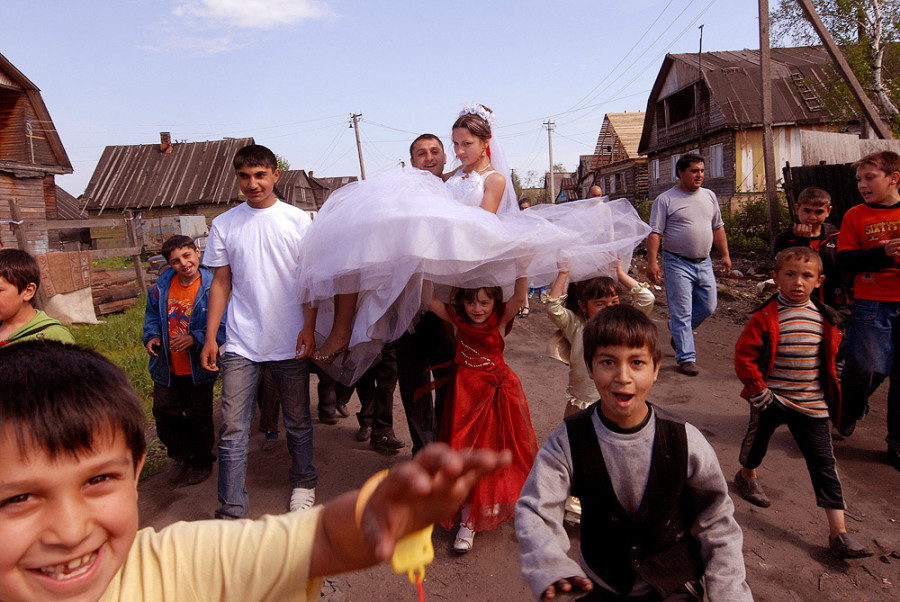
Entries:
{"x":543,"y":543}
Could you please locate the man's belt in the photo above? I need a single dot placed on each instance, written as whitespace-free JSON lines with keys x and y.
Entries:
{"x":691,"y":259}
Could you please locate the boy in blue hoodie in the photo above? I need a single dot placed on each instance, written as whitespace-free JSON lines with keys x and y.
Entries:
{"x":174,"y":333}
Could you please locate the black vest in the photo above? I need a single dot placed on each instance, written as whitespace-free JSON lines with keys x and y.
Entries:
{"x":654,"y":542}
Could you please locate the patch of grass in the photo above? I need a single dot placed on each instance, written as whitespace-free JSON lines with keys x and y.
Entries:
{"x":113,"y":263}
{"x":119,"y":339}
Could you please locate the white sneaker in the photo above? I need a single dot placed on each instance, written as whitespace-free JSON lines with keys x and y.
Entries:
{"x":302,"y":499}
{"x":465,"y":537}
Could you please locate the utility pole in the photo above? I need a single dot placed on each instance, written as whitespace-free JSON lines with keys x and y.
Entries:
{"x":550,"y":125}
{"x":765,"y":74}
{"x":871,"y":113}
{"x":355,"y":125}
{"x":699,"y":93}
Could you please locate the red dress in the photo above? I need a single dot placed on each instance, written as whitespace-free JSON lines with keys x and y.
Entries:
{"x":487,"y":410}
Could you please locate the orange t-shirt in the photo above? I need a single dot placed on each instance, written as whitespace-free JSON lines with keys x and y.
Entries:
{"x":865,"y":227}
{"x":179,"y":306}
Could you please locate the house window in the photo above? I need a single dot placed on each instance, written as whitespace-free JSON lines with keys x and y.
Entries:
{"x":675,"y":159}
{"x":620,"y":182}
{"x":612,"y":184}
{"x":654,"y":170}
{"x":715,"y":167}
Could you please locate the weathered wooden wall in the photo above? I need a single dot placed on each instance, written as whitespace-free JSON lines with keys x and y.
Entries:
{"x":29,"y":194}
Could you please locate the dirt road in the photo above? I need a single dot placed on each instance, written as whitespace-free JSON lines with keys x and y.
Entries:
{"x":785,"y":546}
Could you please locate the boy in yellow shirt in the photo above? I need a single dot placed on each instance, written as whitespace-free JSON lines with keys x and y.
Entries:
{"x":71,"y":451}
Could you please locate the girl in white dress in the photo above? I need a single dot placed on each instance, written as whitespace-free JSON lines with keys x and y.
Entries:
{"x":375,"y":242}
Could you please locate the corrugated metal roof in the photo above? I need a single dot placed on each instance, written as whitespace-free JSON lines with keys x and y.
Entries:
{"x":141,"y":176}
{"x":67,"y":206}
{"x":733,"y":80}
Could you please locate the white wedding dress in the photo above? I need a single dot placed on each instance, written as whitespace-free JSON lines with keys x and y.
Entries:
{"x":385,"y":236}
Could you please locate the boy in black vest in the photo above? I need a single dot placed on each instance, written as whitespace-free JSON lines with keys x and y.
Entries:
{"x":656,"y":516}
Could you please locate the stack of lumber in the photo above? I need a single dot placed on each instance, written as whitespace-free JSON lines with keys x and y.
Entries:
{"x":115,"y":290}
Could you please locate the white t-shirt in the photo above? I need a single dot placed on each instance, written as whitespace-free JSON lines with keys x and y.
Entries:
{"x":262,"y":246}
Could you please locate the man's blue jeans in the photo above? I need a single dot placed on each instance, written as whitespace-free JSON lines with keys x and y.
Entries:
{"x":873,"y":336}
{"x":691,"y":295}
{"x":240,"y":380}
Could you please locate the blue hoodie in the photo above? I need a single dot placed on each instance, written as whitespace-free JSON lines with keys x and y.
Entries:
{"x":156,"y":324}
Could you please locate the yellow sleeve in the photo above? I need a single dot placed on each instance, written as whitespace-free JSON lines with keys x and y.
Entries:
{"x":265,"y":560}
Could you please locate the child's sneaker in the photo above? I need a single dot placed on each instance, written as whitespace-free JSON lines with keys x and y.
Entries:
{"x":269,"y":443}
{"x":751,"y":490}
{"x":465,"y":537}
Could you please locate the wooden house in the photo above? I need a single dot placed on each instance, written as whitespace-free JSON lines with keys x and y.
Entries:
{"x":617,"y":167}
{"x":31,"y":156}
{"x":558,"y":194}
{"x":169,"y":178}
{"x":710,"y":103}
{"x":301,"y":189}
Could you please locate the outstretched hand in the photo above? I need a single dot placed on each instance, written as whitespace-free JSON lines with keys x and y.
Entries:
{"x":567,"y":585}
{"x":424,"y":491}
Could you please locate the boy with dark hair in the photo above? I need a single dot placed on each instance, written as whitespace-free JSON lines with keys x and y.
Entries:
{"x":254,"y":251}
{"x":71,"y":451}
{"x":869,"y":247}
{"x":812,"y":208}
{"x":785,"y":357}
{"x":656,"y":516}
{"x":20,"y":278}
{"x":174,"y":332}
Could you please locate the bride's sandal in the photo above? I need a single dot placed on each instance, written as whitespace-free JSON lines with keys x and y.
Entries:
{"x":328,"y":359}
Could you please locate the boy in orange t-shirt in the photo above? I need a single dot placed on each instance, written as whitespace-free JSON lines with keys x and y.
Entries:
{"x":869,"y":247}
{"x":174,"y":332}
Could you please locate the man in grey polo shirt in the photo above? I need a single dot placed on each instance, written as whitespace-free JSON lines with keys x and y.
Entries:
{"x":688,"y":221}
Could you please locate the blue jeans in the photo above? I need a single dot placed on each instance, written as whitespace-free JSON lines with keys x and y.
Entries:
{"x":691,"y":295}
{"x":240,"y":380}
{"x":873,"y":335}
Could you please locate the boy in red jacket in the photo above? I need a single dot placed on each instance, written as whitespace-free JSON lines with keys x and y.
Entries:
{"x":785,"y":358}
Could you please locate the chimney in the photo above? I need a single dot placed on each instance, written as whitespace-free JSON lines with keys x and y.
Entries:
{"x":310,"y":173}
{"x":165,"y":142}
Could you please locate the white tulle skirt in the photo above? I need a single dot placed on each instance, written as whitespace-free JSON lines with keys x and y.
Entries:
{"x":385,"y":236}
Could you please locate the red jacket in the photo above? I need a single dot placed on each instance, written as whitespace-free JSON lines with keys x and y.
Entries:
{"x":754,"y":353}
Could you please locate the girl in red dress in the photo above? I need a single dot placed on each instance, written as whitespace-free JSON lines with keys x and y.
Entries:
{"x":487,"y":407}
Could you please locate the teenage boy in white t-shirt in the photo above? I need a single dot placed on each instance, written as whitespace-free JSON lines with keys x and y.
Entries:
{"x":254,"y":251}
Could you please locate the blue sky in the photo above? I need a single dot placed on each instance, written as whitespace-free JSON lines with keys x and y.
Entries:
{"x":289,"y":72}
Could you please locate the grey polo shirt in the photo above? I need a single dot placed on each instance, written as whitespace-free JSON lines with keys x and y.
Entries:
{"x":686,"y":221}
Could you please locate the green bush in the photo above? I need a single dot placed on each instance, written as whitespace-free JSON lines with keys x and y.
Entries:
{"x":748,"y":227}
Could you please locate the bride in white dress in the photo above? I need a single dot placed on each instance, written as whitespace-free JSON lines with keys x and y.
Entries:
{"x":375,"y":242}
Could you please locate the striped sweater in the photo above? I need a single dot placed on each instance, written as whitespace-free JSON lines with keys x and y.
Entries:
{"x":794,"y":378}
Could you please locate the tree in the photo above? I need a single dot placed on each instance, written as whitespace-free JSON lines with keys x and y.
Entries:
{"x":283,"y":164}
{"x":868,"y":31}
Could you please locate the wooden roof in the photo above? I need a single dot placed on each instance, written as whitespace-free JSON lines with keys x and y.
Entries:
{"x":143,"y":176}
{"x":29,"y":142}
{"x":67,"y":206}
{"x":733,"y":81}
{"x":619,"y":138}
{"x":299,"y":188}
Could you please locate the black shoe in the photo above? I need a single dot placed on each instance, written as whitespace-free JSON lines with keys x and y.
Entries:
{"x":847,"y":428}
{"x":689,"y":368}
{"x":270,"y":441}
{"x":846,"y":546}
{"x":751,"y":490}
{"x":893,"y":458}
{"x":363,"y":433}
{"x":342,"y":410}
{"x":387,"y":444}
{"x":176,"y":471}
{"x":198,"y":474}
{"x":326,"y":419}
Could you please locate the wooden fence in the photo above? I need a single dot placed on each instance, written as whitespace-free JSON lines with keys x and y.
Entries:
{"x":130,"y":222}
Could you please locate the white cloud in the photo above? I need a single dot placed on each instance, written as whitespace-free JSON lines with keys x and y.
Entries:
{"x":252,"y":14}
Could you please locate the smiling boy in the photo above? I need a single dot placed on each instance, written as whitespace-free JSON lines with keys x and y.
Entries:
{"x":71,"y":451}
{"x":656,"y":516}
{"x":174,"y":333}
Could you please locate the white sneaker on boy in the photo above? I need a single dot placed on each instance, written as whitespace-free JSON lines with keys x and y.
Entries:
{"x":302,"y":499}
